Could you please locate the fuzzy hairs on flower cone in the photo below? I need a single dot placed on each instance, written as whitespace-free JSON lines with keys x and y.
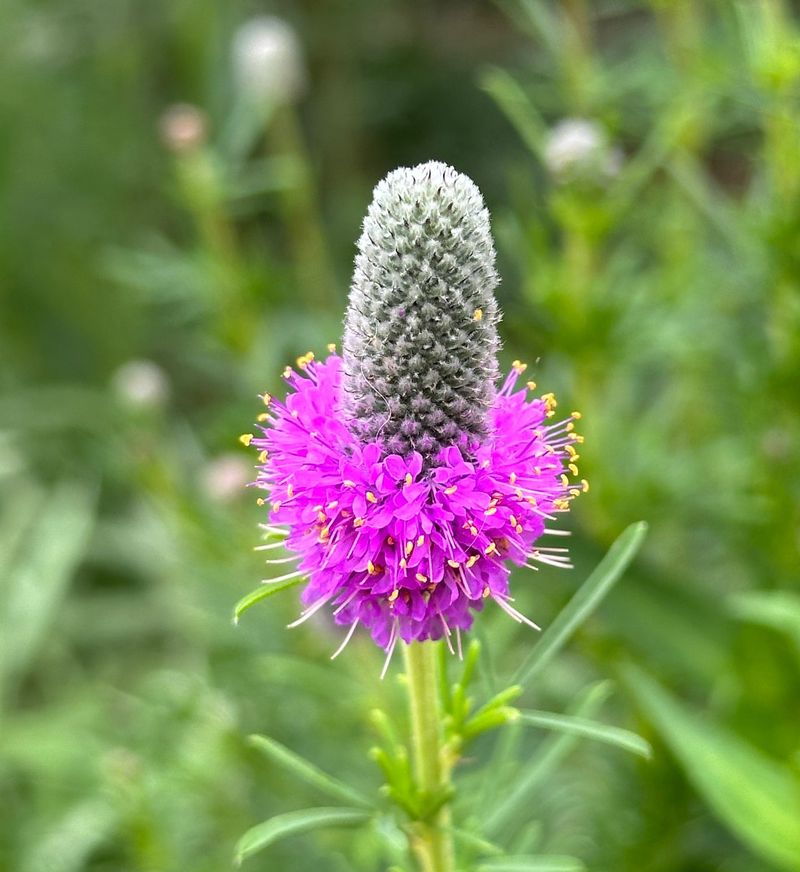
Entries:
{"x":404,"y":479}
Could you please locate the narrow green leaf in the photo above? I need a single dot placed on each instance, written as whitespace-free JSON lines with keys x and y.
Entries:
{"x":584,"y":602}
{"x":293,"y":823}
{"x":307,"y":771}
{"x":777,"y":609}
{"x":476,"y":842}
{"x":576,"y":726}
{"x":48,"y":553}
{"x":261,"y":593}
{"x":506,"y":91}
{"x":756,"y":797}
{"x":543,"y":863}
{"x":516,"y":796}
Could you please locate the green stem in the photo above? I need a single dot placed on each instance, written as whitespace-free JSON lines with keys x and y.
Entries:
{"x":433,"y":842}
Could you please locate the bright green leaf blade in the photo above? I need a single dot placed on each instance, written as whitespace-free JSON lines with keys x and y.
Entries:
{"x":755,"y":796}
{"x":517,"y":107}
{"x":516,"y":796}
{"x":36,"y":583}
{"x":576,"y":726}
{"x":777,"y":609}
{"x":261,"y":593}
{"x":585,"y":601}
{"x":307,"y":771}
{"x":543,"y":863}
{"x":293,"y":823}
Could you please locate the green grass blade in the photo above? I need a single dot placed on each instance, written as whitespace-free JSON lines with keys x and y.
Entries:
{"x":307,"y":771}
{"x":293,"y":823}
{"x":777,"y":609}
{"x":585,"y":601}
{"x":262,"y":593}
{"x":756,"y":797}
{"x":517,"y":107}
{"x":34,"y":586}
{"x":543,"y":863}
{"x":576,"y":726}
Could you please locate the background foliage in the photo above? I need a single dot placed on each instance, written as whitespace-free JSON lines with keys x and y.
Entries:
{"x":655,"y":287}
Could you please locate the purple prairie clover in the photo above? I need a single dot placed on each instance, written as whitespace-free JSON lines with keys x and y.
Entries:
{"x":403,"y":479}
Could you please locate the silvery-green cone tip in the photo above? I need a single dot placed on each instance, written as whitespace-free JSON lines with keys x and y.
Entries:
{"x":420,"y":337}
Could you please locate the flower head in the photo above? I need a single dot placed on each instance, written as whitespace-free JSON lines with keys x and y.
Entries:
{"x":268,"y":60}
{"x":409,"y":530}
{"x":579,"y":148}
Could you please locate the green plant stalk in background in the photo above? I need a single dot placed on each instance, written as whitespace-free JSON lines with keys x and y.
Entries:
{"x":432,"y":841}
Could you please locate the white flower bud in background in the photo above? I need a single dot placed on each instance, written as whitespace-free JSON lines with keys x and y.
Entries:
{"x":225,"y":477}
{"x":268,"y":60}
{"x":580,"y":147}
{"x":183,"y":128}
{"x":141,"y":385}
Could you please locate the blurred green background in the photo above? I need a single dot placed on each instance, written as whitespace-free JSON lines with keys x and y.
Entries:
{"x":181,"y":186}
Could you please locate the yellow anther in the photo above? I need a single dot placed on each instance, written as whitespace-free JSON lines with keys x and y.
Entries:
{"x":287,"y":371}
{"x":408,"y":478}
{"x":371,"y":498}
{"x":450,"y":490}
{"x":531,"y":385}
{"x":491,"y":549}
{"x":393,"y":595}
{"x":420,"y":577}
{"x":473,"y":560}
{"x":374,"y":569}
{"x":573,"y":469}
{"x":491,"y":511}
{"x":486,"y":592}
{"x":519,"y":366}
{"x":289,"y":490}
{"x":453,"y":563}
{"x":262,"y":417}
{"x":561,"y":504}
{"x":332,"y":347}
{"x":348,"y":483}
{"x":324,"y":533}
{"x":473,"y":530}
{"x":303,"y":362}
{"x":276,"y":505}
{"x":409,"y":548}
{"x":358,"y":522}
{"x":266,"y":399}
{"x":263,"y":455}
{"x":332,"y":504}
{"x":513,"y":477}
{"x":512,"y":520}
{"x":574,"y":492}
{"x":576,"y":415}
{"x":571,"y":451}
{"x":322,"y":517}
{"x":246,"y":438}
{"x":564,"y":479}
{"x":420,"y":541}
{"x":260,"y":501}
{"x":550,"y":401}
{"x":579,"y":439}
{"x":477,"y":315}
{"x":585,"y":485}
{"x":518,"y":528}
{"x":570,"y":427}
{"x":549,"y":414}
{"x":403,"y":563}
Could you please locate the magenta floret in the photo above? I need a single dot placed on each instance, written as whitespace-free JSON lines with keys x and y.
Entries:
{"x":409,"y":551}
